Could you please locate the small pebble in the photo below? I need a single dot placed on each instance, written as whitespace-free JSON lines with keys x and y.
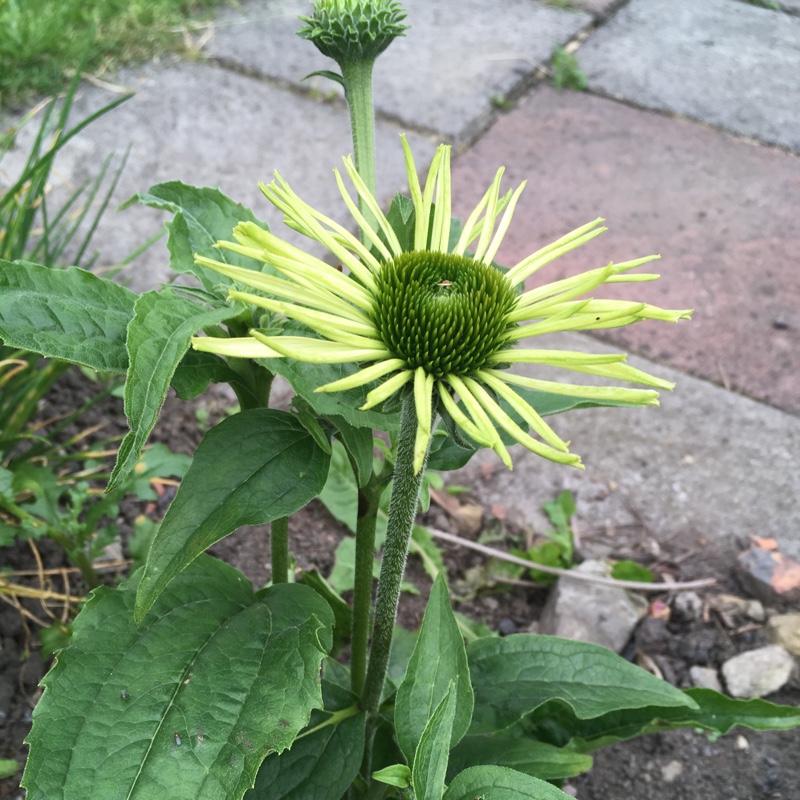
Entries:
{"x":672,"y":771}
{"x":506,"y":626}
{"x":741,"y":743}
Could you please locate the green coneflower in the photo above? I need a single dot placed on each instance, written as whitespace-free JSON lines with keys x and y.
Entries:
{"x":446,"y":322}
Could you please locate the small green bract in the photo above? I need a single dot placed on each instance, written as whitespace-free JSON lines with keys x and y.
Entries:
{"x":354,"y":30}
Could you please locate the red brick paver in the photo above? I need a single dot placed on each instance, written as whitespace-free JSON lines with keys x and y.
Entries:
{"x":722,"y":211}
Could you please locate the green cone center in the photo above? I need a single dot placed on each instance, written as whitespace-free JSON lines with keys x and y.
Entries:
{"x":445,"y":313}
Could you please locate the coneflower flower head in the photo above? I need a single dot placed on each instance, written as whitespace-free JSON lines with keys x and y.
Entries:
{"x":439,"y":321}
{"x":354,"y":30}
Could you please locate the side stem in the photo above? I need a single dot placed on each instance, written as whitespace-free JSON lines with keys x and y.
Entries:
{"x":357,"y":78}
{"x":279,"y":546}
{"x":402,"y":512}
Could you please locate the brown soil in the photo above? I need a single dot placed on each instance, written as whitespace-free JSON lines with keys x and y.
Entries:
{"x":678,"y":765}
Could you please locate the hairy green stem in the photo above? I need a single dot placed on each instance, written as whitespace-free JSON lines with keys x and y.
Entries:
{"x":279,"y":546}
{"x":402,"y":513}
{"x":368,"y":505}
{"x":357,"y":78}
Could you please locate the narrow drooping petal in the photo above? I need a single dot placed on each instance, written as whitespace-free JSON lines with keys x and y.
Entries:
{"x":364,"y":376}
{"x":423,"y":394}
{"x":235,"y":347}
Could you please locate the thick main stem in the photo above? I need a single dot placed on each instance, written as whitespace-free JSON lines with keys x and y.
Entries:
{"x":357,"y":78}
{"x":368,"y":505}
{"x":279,"y":547}
{"x":402,"y":512}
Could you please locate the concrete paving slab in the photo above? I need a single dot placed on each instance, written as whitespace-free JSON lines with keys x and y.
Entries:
{"x":210,"y":127}
{"x":442,"y":76}
{"x":724,"y":62}
{"x":722,"y":212}
{"x":708,"y":467}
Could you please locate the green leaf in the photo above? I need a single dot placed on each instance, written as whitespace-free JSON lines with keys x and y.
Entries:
{"x":714,"y":712}
{"x":54,"y":637}
{"x":158,"y":338}
{"x":439,"y":657}
{"x":340,"y":493}
{"x":8,"y":767}
{"x":188,"y":704}
{"x":203,"y":216}
{"x":430,"y":759}
{"x":396,"y":775}
{"x":196,"y":370}
{"x":68,"y":314}
{"x":359,"y":445}
{"x":631,"y":571}
{"x":424,"y":546}
{"x":517,"y":674}
{"x":500,"y":783}
{"x":402,"y":218}
{"x":320,"y":765}
{"x":306,"y":378}
{"x":343,"y":574}
{"x":341,"y":610}
{"x":533,"y":758}
{"x":252,"y":468}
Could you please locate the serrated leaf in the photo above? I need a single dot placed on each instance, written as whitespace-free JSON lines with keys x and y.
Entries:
{"x":203,"y":216}
{"x":430,"y":759}
{"x":252,"y":468}
{"x":538,"y":759}
{"x":68,"y":314}
{"x":500,"y":783}
{"x":439,"y":657}
{"x":319,"y":765}
{"x":515,"y":675}
{"x":158,"y":338}
{"x":188,"y":704}
{"x":196,"y":370}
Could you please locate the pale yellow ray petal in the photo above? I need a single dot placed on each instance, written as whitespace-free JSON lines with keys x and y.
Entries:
{"x":529,"y":414}
{"x":503,"y":227}
{"x":423,"y":210}
{"x":319,"y":320}
{"x":644,"y":397}
{"x":440,"y":236}
{"x":489,"y":219}
{"x":423,"y":392}
{"x":388,"y":388}
{"x":461,"y":419}
{"x":468,"y":233}
{"x":318,"y":351}
{"x":513,"y":430}
{"x":235,"y":347}
{"x":480,"y":418}
{"x":363,"y":376}
{"x":568,"y":359}
{"x":522,"y":271}
{"x":376,"y":240}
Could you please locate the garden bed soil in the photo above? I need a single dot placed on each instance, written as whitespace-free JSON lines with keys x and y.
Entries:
{"x":676,"y":765}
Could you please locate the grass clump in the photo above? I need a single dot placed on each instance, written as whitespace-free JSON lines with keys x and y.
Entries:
{"x":42,"y":41}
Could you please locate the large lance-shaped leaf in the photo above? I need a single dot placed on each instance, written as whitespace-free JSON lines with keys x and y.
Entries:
{"x":187,"y":705}
{"x":252,"y":468}
{"x":203,"y":216}
{"x":158,"y":338}
{"x":69,"y":314}
{"x":515,"y":675}
{"x":500,"y":783}
{"x":320,"y":765}
{"x":714,"y":712}
{"x":439,"y":658}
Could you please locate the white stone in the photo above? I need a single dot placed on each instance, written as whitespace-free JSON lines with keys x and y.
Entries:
{"x":705,"y":678}
{"x":784,"y":631}
{"x":605,"y":615}
{"x":758,"y":672}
